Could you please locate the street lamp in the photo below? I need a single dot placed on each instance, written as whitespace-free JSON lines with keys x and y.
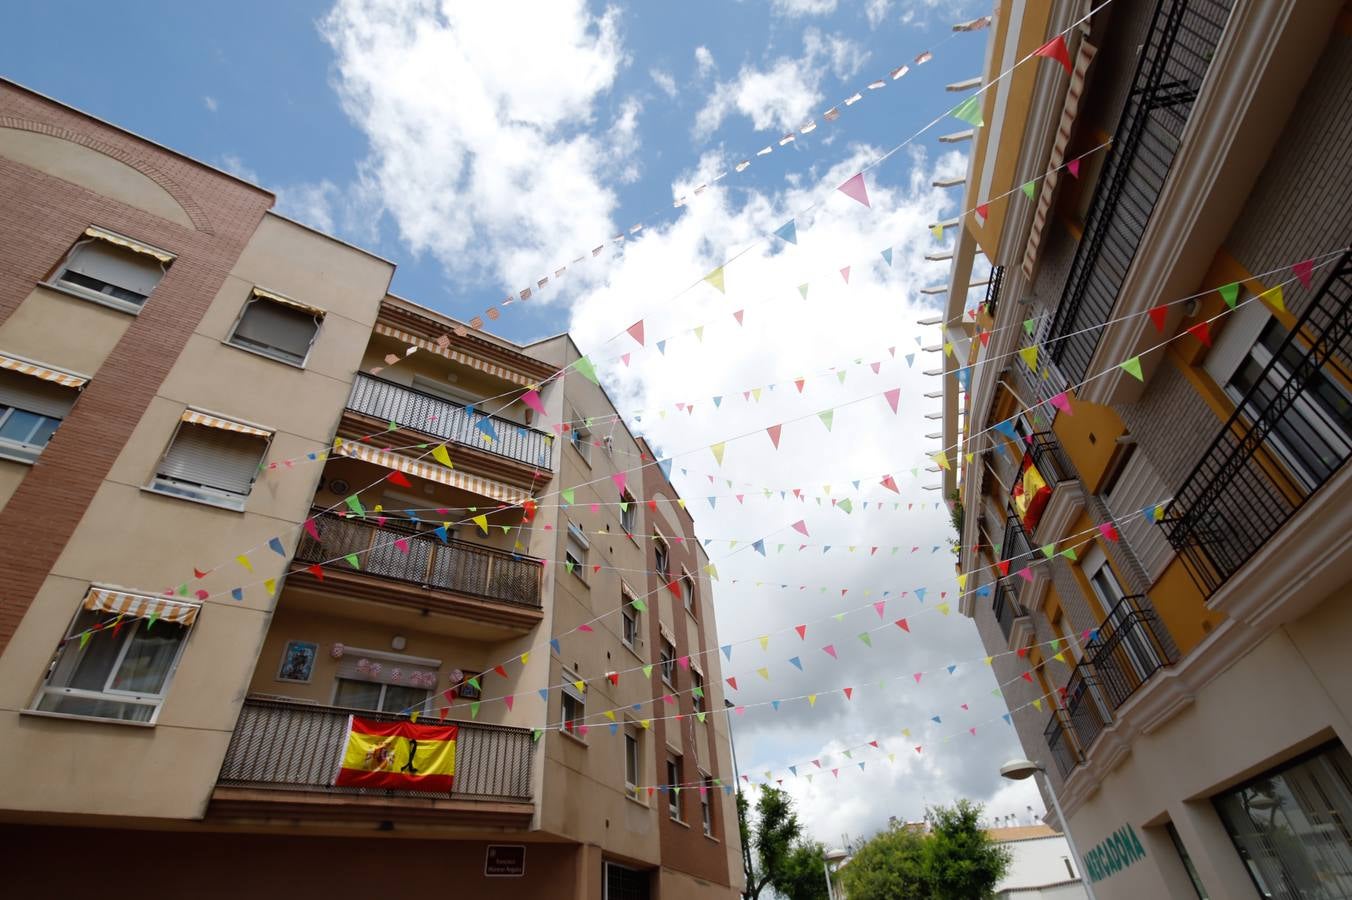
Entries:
{"x":1018,"y":770}
{"x":830,"y":857}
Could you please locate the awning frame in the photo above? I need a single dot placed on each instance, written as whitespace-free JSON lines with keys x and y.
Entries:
{"x":200,"y":417}
{"x":140,"y":605}
{"x":47,"y":373}
{"x":112,"y":237}
{"x":258,"y":293}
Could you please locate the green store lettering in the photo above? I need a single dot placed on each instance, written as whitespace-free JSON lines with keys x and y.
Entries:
{"x":1118,"y":851}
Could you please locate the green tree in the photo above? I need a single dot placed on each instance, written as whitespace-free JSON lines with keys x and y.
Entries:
{"x":954,"y":860}
{"x":776,"y":831}
{"x":803,"y":873}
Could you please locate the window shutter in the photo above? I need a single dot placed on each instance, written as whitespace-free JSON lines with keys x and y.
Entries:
{"x":107,"y":262}
{"x":213,"y":457}
{"x":274,"y":327}
{"x":45,"y":398}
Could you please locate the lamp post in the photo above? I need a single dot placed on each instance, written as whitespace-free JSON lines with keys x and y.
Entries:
{"x":830,"y":857}
{"x":1018,"y":770}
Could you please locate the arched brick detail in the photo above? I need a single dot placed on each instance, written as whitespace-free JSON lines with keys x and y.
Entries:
{"x":183,"y":198}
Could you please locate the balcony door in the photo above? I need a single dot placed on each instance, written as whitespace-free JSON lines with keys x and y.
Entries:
{"x":1129,"y":652}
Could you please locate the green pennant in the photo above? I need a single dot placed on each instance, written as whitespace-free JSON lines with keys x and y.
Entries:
{"x":1049,"y":550}
{"x":846,"y":505}
{"x":624,"y":506}
{"x":841,"y":376}
{"x":639,"y":605}
{"x":393,"y":426}
{"x":802,"y":289}
{"x":353,"y":561}
{"x":473,"y":683}
{"x":84,"y":638}
{"x":969,"y":111}
{"x":868,"y":641}
{"x":826,"y":416}
{"x":536,"y":734}
{"x":151,"y":620}
{"x":647,"y":671}
{"x":354,"y":503}
{"x":183,"y":589}
{"x":1133,"y":366}
{"x":1028,"y":189}
{"x":567,"y":494}
{"x":474,"y":709}
{"x":588,"y":371}
{"x":700,"y":716}
{"x":1029,"y":325}
{"x":1230,"y":292}
{"x":568,"y":564}
{"x":1069,"y":553}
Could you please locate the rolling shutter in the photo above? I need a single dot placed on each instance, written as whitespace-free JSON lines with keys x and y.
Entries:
{"x":276,"y":329}
{"x":46,"y":398}
{"x":213,"y":457}
{"x":110,"y":263}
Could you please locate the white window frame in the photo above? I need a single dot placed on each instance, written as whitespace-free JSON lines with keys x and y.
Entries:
{"x":660,"y":549}
{"x":629,"y":615}
{"x":204,"y":494}
{"x":575,"y":534}
{"x":667,"y":664}
{"x":579,"y":435}
{"x":87,"y":293}
{"x":673,"y":798}
{"x":135,"y":698}
{"x":688,"y":592}
{"x":380,"y":701}
{"x":706,"y":804}
{"x":255,"y":296}
{"x":633,"y":741}
{"x":570,"y":691}
{"x":630,"y":514}
{"x":22,"y":451}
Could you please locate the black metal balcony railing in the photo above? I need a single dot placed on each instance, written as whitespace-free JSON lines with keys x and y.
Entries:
{"x":295,"y":746}
{"x":456,"y":566}
{"x":1084,"y":707}
{"x":445,"y":419}
{"x":1051,"y":461}
{"x":1015,"y":546}
{"x":1288,"y":435}
{"x":1006,"y":609}
{"x":1131,"y":645}
{"x":1061,"y":742}
{"x":1173,"y":62}
{"x":992,"y":300}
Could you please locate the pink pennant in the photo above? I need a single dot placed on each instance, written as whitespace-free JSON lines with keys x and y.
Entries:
{"x":798,"y":383}
{"x":402,"y":544}
{"x":964,"y":706}
{"x":875,"y":366}
{"x":738,"y":316}
{"x":879,"y":606}
{"x":1073,"y":167}
{"x":800,"y":526}
{"x":845,"y":273}
{"x":1026,"y":574}
{"x":917,"y":676}
{"x":855,"y":189}
{"x":310,"y":528}
{"x":201,"y":594}
{"x":684,"y":662}
{"x":585,"y":627}
{"x":773,"y":431}
{"x":1062,"y":402}
{"x":740,"y":499}
{"x":624,"y":358}
{"x":831,"y":651}
{"x":1108,"y":531}
{"x":509,"y":700}
{"x":890,"y":483}
{"x":1304,"y":270}
{"x":620,"y":478}
{"x":972,"y":730}
{"x":636,"y":331}
{"x":892,"y":397}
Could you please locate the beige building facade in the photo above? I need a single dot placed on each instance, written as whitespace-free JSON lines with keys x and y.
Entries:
{"x":239,"y":508}
{"x":1153,"y":552}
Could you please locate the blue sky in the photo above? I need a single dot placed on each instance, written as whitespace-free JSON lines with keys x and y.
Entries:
{"x":480,"y":146}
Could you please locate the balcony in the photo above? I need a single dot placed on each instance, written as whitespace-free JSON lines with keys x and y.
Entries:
{"x":1061,"y":742}
{"x":1007,"y":609}
{"x":1173,"y":63}
{"x":1015,"y":546}
{"x":1289,"y":434}
{"x":453,"y":577}
{"x":1051,"y":461}
{"x":385,"y":401}
{"x":993,"y":291}
{"x":1129,"y":647}
{"x":283,"y":755}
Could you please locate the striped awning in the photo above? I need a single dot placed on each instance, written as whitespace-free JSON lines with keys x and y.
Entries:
{"x":433,"y":471}
{"x":1083,"y":57}
{"x":140,"y":606}
{"x":113,"y":237}
{"x":287,"y":301}
{"x":24,"y":367}
{"x":464,"y":359}
{"x":195,"y":417}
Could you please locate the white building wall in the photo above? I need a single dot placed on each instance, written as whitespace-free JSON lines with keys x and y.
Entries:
{"x":1037,"y":862}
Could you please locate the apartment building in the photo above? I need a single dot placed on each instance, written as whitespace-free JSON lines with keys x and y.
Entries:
{"x":247,"y":494}
{"x":1147,"y":418}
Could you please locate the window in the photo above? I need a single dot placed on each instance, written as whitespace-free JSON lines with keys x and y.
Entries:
{"x":697,"y":692}
{"x":608,"y":442}
{"x":688,"y":593}
{"x":633,"y":761}
{"x":624,"y":883}
{"x":112,"y":270}
{"x":628,"y":512}
{"x":668,"y":662}
{"x":575,"y":553}
{"x":277,"y":327}
{"x":212,"y":460}
{"x":706,"y":809}
{"x":117,"y":658}
{"x":31,"y":409}
{"x":628,"y":620}
{"x":663,"y":558}
{"x":1289,"y":826}
{"x":581,"y":437}
{"x":374,"y":695}
{"x":574,"y":703}
{"x":673,"y":782}
{"x":1182,"y":855}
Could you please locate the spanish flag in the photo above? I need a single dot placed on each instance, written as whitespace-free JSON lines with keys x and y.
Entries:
{"x":401,"y":756}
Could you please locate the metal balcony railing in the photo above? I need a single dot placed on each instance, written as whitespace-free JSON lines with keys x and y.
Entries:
{"x":1173,"y":63}
{"x":456,"y":566}
{"x":295,"y":746}
{"x":1084,"y":706}
{"x":450,"y":421}
{"x":1015,"y":545}
{"x":1288,"y":435}
{"x":1051,"y":461}
{"x":1130,"y":646}
{"x":1061,"y":742}
{"x":992,"y":300}
{"x":1006,"y":609}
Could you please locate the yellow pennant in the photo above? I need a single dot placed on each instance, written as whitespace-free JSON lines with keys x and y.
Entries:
{"x":440,"y":455}
{"x":1274,"y":298}
{"x":270,"y":585}
{"x":765,"y":642}
{"x":764,"y":673}
{"x":942,"y":459}
{"x":482,"y":521}
{"x":1029,"y":355}
{"x":525,"y":657}
{"x":610,"y":714}
{"x":244,"y":561}
{"x":811,"y":699}
{"x":718,"y":451}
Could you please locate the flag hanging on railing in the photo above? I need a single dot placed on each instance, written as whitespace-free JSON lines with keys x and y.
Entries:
{"x":398,"y":756}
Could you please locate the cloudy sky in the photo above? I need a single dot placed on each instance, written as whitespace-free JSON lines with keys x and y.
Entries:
{"x":484,"y":146}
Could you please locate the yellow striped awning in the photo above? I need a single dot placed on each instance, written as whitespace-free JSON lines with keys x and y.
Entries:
{"x":113,"y":237}
{"x":464,"y":359}
{"x":24,"y":367}
{"x":1083,"y":57}
{"x":194,"y":417}
{"x":287,"y":301}
{"x":432,"y":471}
{"x":140,"y":606}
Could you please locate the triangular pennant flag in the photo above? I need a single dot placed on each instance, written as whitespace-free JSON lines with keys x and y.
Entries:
{"x":826,"y":416}
{"x":275,"y":544}
{"x":718,"y":452}
{"x":887,"y":256}
{"x":937,"y":231}
{"x":1304,"y":270}
{"x":773,"y":432}
{"x":796,"y":662}
{"x":854,"y":189}
{"x":1133,"y":366}
{"x":1056,"y":49}
{"x":636,"y":331}
{"x":802,"y":289}
{"x":1273,"y":296}
{"x":715,"y":278}
{"x":830,"y":650}
{"x":1202,"y":332}
{"x":764,"y":673}
{"x":983,"y":210}
{"x":864,"y":636}
{"x":969,"y":111}
{"x":1157,"y":315}
{"x":440,"y":455}
{"x":1062,"y":403}
{"x":587,"y":370}
{"x":1028,"y":188}
{"x":1230,"y":293}
{"x":787,"y":232}
{"x":892,"y":397}
{"x":1073,"y":167}
{"x":1029,"y":355}
{"x":901,"y":623}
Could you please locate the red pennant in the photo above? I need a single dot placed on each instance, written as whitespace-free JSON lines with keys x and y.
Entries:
{"x":985,"y":338}
{"x":849,"y":693}
{"x":773,"y":431}
{"x":596,"y":568}
{"x":636,"y":331}
{"x":802,"y":631}
{"x":397,"y":478}
{"x":317,"y":571}
{"x":890,"y":483}
{"x":732,"y":682}
{"x":892,"y":397}
{"x":500,"y":670}
{"x":675,"y":587}
{"x":901,"y":623}
{"x":1003,"y":566}
{"x":738,"y":316}
{"x":1056,"y":49}
{"x":873,"y":744}
{"x":614,"y":678}
{"x":312,"y":529}
{"x":1304,"y":270}
{"x":983,"y":210}
{"x":198,"y":573}
{"x":1201,"y":331}
{"x":1028,"y":676}
{"x":1157,"y":316}
{"x":798,"y":382}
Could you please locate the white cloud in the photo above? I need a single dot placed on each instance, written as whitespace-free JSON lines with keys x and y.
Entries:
{"x":209,"y":102}
{"x":876,"y":11}
{"x":664,"y":81}
{"x":476,"y":118}
{"x":784,"y":337}
{"x":787,"y":91}
{"x":797,"y":8}
{"x":704,"y":61}
{"x":231,"y":162}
